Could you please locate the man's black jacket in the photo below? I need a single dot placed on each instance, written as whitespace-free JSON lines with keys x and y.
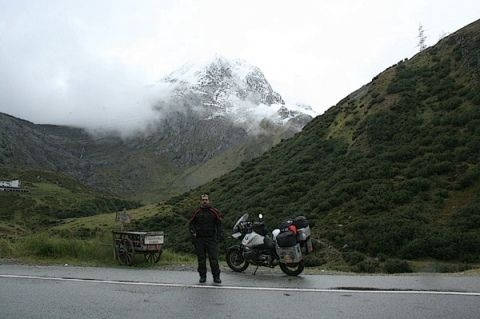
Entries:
{"x":206,"y":222}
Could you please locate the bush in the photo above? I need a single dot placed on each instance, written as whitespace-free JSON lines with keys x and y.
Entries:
{"x":45,"y":246}
{"x":393,"y":266}
{"x":469,"y":178}
{"x":368,"y":266}
{"x":6,"y":249}
{"x":450,"y":268}
{"x":314,"y":260}
{"x":353,"y":257}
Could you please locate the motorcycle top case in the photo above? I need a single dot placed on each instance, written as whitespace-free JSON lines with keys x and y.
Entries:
{"x":289,"y":255}
{"x":286,"y":239}
{"x":301,"y":222}
{"x":284,"y":225}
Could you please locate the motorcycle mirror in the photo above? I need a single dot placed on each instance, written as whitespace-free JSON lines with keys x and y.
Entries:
{"x":260,"y":216}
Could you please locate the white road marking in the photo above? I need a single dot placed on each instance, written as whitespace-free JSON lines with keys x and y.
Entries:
{"x":286,"y":289}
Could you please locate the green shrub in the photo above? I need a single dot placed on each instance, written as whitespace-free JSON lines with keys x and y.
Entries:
{"x":450,"y":268}
{"x":314,"y":260}
{"x":469,"y":178}
{"x":6,"y":249}
{"x":368,"y":265}
{"x":46,"y":246}
{"x":393,"y":266}
{"x":353,"y":257}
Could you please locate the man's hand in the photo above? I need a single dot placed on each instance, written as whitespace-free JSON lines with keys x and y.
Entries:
{"x":193,"y":239}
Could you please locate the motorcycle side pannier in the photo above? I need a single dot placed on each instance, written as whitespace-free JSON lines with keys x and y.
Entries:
{"x":289,"y":255}
{"x":303,"y":233}
{"x":286,"y":239}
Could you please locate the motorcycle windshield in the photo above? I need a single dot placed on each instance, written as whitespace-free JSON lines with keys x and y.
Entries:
{"x":242,"y":219}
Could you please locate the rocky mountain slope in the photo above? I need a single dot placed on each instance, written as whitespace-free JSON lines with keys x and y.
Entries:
{"x":391,"y":170}
{"x":211,"y":116}
{"x":209,"y":107}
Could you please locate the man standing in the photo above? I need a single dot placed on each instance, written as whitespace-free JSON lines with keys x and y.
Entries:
{"x":206,"y":231}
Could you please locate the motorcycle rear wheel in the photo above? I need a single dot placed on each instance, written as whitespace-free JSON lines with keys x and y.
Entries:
{"x":293,"y":269}
{"x":235,"y":260}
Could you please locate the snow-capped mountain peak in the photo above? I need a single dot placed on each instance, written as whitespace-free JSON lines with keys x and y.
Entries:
{"x":233,"y":89}
{"x":221,"y":78}
{"x":194,"y":72}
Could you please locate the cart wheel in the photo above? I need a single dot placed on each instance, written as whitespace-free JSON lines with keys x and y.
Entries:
{"x":152,"y":258}
{"x":125,"y":252}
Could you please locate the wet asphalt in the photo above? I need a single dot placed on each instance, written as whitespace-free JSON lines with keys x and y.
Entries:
{"x":91,"y":292}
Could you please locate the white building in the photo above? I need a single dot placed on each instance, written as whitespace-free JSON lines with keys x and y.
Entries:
{"x":11,"y":184}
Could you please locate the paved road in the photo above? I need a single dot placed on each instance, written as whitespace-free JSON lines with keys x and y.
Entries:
{"x":86,"y":292}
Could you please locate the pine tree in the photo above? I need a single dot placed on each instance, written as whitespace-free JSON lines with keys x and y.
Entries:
{"x":422,"y":38}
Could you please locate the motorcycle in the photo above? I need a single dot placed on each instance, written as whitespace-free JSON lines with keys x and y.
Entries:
{"x":285,"y":248}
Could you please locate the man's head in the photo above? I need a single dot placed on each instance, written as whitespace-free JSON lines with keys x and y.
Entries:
{"x":204,"y":200}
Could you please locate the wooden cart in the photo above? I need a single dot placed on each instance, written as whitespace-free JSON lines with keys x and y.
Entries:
{"x":128,"y":243}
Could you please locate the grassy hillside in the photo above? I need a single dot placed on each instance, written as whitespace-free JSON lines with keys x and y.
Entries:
{"x":79,"y":240}
{"x":51,"y":198}
{"x":101,"y":224}
{"x":391,"y":170}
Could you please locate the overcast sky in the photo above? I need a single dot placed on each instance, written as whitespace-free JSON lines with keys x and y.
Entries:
{"x":88,"y":62}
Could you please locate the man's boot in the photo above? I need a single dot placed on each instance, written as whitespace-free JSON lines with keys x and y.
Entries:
{"x":217,"y":280}
{"x":202,"y":279}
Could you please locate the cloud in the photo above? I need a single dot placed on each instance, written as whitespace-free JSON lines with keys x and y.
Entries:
{"x":184,"y":98}
{"x":51,"y":76}
{"x":90,"y":63}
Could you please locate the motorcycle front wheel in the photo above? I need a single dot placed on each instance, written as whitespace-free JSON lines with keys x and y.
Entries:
{"x":293,"y":269}
{"x":235,"y":259}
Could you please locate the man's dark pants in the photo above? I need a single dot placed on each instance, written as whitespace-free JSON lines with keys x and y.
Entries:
{"x":207,"y":245}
